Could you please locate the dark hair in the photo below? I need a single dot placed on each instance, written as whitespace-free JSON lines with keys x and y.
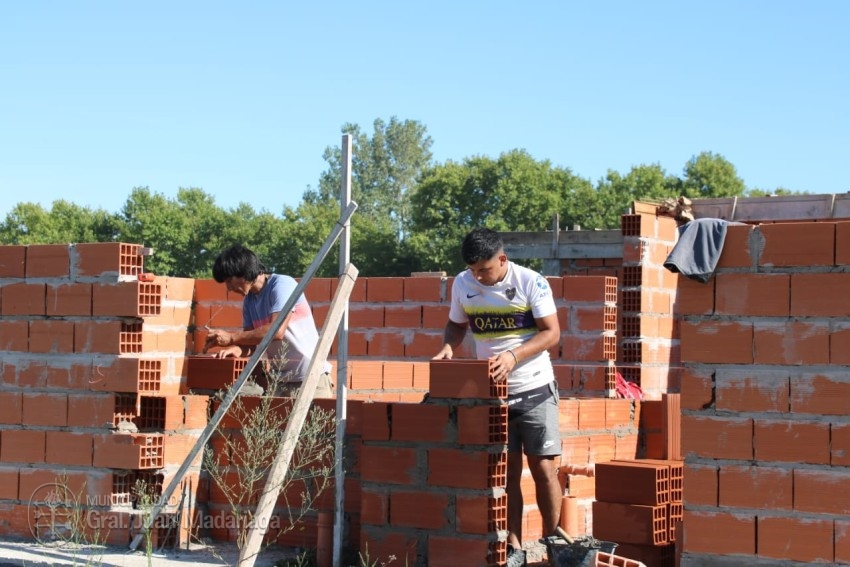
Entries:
{"x":237,"y":262}
{"x":480,"y":244}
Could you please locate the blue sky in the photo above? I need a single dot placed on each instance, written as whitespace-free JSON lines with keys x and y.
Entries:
{"x":242,"y":99}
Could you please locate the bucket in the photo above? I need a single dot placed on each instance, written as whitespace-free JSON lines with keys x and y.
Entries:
{"x":581,"y":552}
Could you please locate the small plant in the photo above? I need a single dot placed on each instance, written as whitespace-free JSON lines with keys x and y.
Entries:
{"x":242,"y":461}
{"x":366,"y":561}
{"x":145,"y":500}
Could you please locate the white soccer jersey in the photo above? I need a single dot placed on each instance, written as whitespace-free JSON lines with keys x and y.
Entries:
{"x":502,"y":317}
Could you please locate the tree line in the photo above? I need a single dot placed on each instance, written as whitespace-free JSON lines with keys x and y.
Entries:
{"x":411,"y":216}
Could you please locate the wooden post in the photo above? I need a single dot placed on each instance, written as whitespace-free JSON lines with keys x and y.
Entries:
{"x":280,"y":466}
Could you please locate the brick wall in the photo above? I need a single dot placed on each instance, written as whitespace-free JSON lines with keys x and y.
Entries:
{"x":92,"y":395}
{"x":765,"y":398}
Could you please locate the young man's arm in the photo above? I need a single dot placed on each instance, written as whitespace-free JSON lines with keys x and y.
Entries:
{"x":452,"y":337}
{"x":238,"y":343}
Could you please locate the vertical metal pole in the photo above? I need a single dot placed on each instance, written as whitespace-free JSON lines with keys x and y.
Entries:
{"x":342,"y":357}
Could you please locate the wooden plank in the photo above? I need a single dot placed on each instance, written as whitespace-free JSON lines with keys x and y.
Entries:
{"x":780,"y":208}
{"x":280,"y":466}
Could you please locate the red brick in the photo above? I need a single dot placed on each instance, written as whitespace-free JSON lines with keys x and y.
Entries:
{"x":384,"y":289}
{"x":425,"y":510}
{"x":68,"y":448}
{"x":91,"y":336}
{"x":485,"y":424}
{"x":435,"y":316}
{"x":753,"y":390}
{"x":318,"y":290}
{"x":69,"y":299}
{"x":590,"y":289}
{"x":207,"y":291}
{"x":366,"y":375}
{"x":14,"y":335}
{"x":820,"y":393}
{"x":376,"y":421}
{"x":755,"y":295}
{"x":700,"y":485}
{"x":358,"y":292}
{"x":422,"y":289}
{"x":128,"y":451}
{"x":717,"y":342}
{"x":45,"y":409}
{"x":630,"y":523}
{"x":127,"y":299}
{"x":458,"y":468}
{"x":840,"y":445}
{"x":477,"y":515}
{"x":791,"y":342}
{"x":798,"y":244}
{"x":426,"y":344}
{"x":421,"y":423}
{"x":737,"y":252}
{"x":632,"y":482}
{"x":403,"y":316}
{"x":393,"y":465}
{"x":11,"y":405}
{"x":51,"y":336}
{"x":8,"y":483}
{"x":821,"y":491}
{"x":697,"y":388}
{"x":374,"y":507}
{"x":366,"y":316}
{"x":761,"y":487}
{"x":719,"y":533}
{"x":91,"y":410}
{"x":842,"y":541}
{"x":797,"y":539}
{"x":23,"y":299}
{"x":398,"y":375}
{"x":206,"y":372}
{"x":717,"y":437}
{"x":694,"y":298}
{"x":463,"y":379}
{"x":791,"y":441}
{"x":22,"y":446}
{"x":48,"y":261}
{"x":820,"y":295}
{"x":13,"y":261}
{"x":108,"y":259}
{"x":386,"y":344}
{"x":591,"y":414}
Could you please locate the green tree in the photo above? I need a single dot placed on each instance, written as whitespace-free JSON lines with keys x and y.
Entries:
{"x":384,"y":169}
{"x":511,"y":193}
{"x":65,"y":222}
{"x":710,"y":175}
{"x":185,"y":233}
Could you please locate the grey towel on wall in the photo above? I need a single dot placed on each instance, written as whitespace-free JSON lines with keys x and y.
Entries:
{"x":699,"y":246}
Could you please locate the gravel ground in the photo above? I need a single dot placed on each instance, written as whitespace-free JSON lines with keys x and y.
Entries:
{"x":30,"y":553}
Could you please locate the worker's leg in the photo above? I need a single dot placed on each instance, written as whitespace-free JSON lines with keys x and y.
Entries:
{"x":544,"y":471}
{"x":515,"y":503}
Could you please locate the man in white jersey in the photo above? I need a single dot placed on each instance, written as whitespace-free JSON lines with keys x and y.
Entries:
{"x":512,"y":315}
{"x":265,"y":296}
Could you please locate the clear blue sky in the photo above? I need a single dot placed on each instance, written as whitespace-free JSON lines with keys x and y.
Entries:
{"x":241,"y":99}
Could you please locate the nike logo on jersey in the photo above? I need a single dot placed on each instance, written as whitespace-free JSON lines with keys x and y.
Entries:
{"x":471,"y":295}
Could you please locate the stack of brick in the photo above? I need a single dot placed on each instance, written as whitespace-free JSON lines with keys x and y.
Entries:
{"x":433,"y":475}
{"x":648,"y":354}
{"x":765,"y":396}
{"x":92,"y":398}
{"x":639,"y":506}
{"x":585,"y":360}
